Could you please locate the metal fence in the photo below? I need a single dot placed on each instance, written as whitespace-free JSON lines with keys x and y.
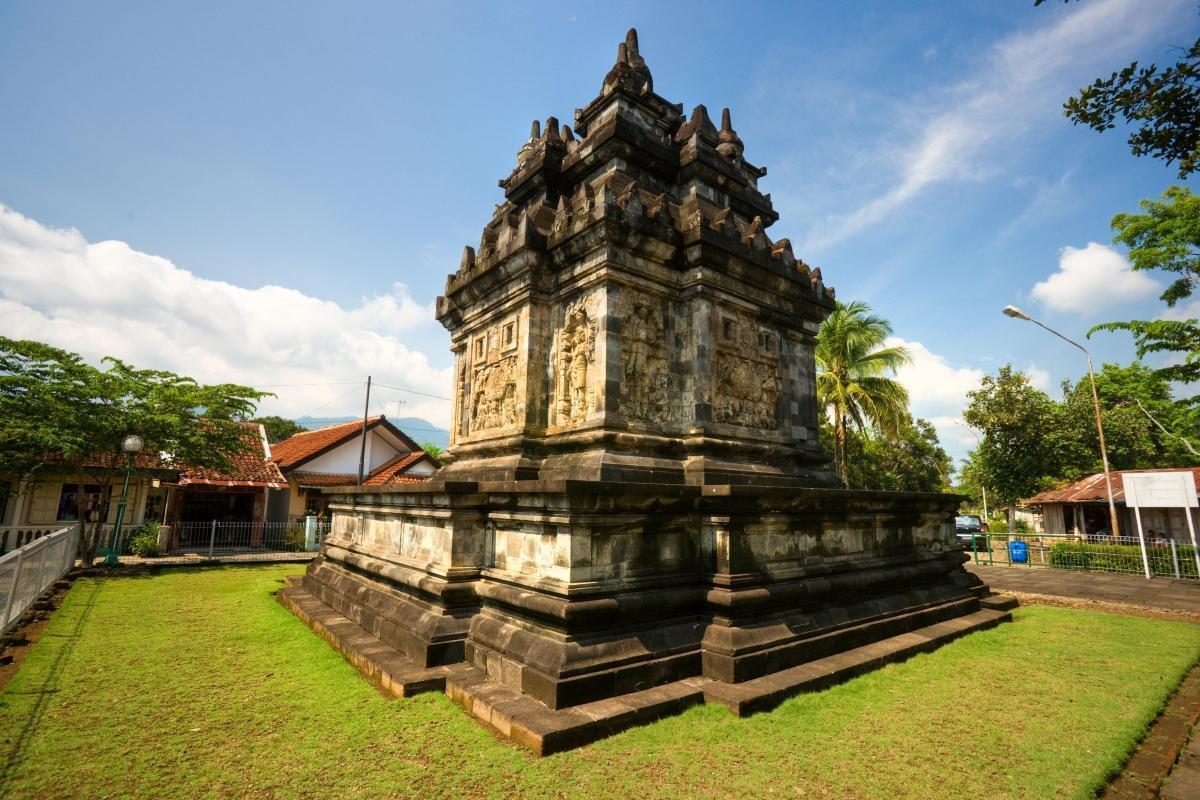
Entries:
{"x":243,"y":541}
{"x":31,"y":569}
{"x":1166,"y":558}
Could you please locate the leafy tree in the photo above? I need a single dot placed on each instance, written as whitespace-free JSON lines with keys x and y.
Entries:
{"x":1163,"y":106}
{"x":1022,"y":449}
{"x":58,"y":413}
{"x":911,"y":461}
{"x":1166,"y":237}
{"x":432,"y":449}
{"x":279,"y":428}
{"x":853,"y":383}
{"x":1130,"y":397}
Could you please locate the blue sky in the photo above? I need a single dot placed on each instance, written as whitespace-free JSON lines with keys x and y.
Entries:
{"x":273,"y":192}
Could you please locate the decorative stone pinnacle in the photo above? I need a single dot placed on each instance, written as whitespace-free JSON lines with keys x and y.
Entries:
{"x":729,"y":145}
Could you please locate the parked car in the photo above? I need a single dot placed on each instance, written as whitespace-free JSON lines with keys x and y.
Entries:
{"x":970,"y":530}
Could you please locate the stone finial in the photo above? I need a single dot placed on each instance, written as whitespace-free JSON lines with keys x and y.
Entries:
{"x":782,"y":251}
{"x":721,"y":220}
{"x":631,"y":49}
{"x":699,"y":122}
{"x":629,"y":71}
{"x":729,"y":145}
{"x":562,"y":215}
{"x":535,"y":131}
{"x":551,"y":129}
{"x":752,"y":231}
{"x":567,"y":136}
{"x":657,"y":206}
{"x":468,"y":260}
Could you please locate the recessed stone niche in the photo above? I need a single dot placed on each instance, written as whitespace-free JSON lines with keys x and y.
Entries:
{"x":635,"y":514}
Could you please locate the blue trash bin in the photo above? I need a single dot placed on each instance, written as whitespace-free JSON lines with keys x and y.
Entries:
{"x":1018,"y":552}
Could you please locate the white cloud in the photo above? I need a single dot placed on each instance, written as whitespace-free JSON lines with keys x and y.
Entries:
{"x":958,"y":131}
{"x":937,"y":392}
{"x":1092,"y":278}
{"x":106,"y":298}
{"x":1038,"y":378}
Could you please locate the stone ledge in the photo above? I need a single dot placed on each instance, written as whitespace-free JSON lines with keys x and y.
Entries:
{"x":767,"y":692}
{"x":525,"y":721}
{"x":998,"y":602}
{"x":383,"y":665}
{"x":529,"y":723}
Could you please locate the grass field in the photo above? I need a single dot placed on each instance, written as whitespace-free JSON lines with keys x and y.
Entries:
{"x":196,"y":683}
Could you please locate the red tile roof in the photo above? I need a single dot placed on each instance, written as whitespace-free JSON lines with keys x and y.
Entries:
{"x":1092,"y":489}
{"x":252,"y":467}
{"x":314,"y":479}
{"x":302,"y":446}
{"x":393,"y":470}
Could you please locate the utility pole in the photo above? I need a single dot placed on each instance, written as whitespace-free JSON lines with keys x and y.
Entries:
{"x":362,"y":449}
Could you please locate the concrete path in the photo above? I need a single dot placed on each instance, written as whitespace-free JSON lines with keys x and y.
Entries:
{"x":1132,"y":590}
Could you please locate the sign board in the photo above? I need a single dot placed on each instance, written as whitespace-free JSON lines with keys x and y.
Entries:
{"x":1159,"y":489}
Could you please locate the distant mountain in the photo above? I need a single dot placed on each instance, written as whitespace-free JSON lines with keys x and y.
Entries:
{"x":420,"y":430}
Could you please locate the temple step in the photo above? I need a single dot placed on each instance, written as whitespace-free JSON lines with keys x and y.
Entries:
{"x":999,"y":602}
{"x":527,"y":722}
{"x":767,"y":692}
{"x":382,"y":664}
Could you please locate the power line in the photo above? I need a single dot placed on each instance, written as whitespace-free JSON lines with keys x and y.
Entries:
{"x":334,"y":400}
{"x":328,"y":383}
{"x":414,"y":391}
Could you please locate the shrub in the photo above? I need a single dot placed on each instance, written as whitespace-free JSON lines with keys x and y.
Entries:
{"x":144,"y":542}
{"x":293,"y":539}
{"x":1122,"y":558}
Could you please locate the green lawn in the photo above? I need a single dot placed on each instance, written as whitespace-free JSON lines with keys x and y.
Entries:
{"x":196,"y":683}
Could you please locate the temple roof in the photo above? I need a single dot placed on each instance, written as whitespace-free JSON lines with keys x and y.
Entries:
{"x":636,"y":158}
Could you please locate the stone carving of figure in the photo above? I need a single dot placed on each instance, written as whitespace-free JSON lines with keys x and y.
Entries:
{"x":643,"y":378}
{"x":577,"y":344}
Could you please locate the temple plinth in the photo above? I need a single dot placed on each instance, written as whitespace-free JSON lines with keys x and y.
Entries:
{"x":635,"y":512}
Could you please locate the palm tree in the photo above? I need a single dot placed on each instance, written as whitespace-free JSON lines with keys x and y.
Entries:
{"x":853,"y":368}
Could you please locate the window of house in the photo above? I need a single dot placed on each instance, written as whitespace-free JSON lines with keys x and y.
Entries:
{"x":94,"y":506}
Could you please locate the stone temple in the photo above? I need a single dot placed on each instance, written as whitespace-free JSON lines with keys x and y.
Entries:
{"x":635,"y":513}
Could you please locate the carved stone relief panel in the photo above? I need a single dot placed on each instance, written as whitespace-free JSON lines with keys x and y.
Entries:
{"x":746,"y":381}
{"x":488,"y":379}
{"x":645,"y":389}
{"x":575,"y":368}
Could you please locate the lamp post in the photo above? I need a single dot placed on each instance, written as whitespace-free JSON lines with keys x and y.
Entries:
{"x":1016,"y":313}
{"x":982,"y":487}
{"x":132,"y":446}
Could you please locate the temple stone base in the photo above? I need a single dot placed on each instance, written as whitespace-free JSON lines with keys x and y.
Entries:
{"x":560,"y":612}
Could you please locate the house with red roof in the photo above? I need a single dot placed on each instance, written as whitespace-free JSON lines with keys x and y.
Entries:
{"x":311,"y":461}
{"x":160,"y":490}
{"x":1081,"y":508}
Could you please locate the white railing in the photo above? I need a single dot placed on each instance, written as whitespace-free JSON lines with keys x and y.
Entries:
{"x":14,"y":536}
{"x":245,"y":540}
{"x":31,"y":569}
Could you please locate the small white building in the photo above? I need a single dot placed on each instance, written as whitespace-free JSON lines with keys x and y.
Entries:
{"x":1081,"y":508}
{"x":313,"y":460}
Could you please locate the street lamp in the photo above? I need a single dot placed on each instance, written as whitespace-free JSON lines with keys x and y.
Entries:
{"x":132,"y":446}
{"x":1016,"y":313}
{"x":982,"y":487}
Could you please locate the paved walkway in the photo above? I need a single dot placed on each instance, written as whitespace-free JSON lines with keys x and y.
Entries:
{"x":1156,"y":593}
